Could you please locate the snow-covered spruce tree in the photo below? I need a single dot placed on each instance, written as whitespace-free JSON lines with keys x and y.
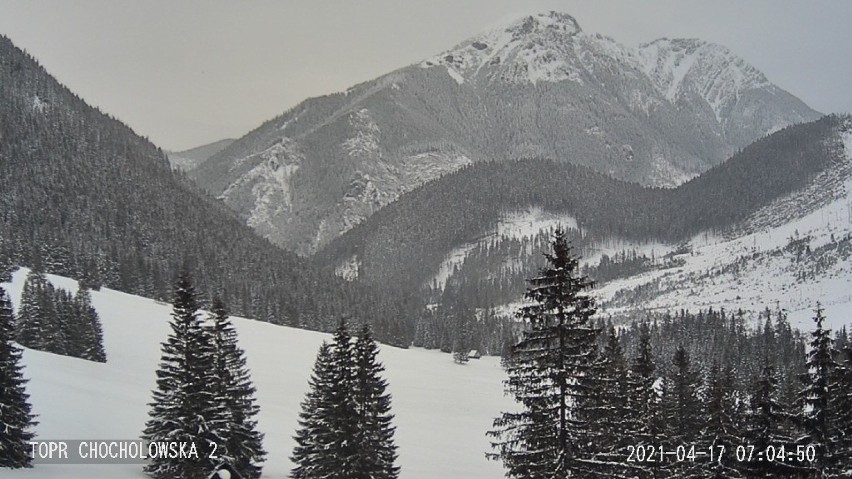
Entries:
{"x":610,"y":413}
{"x":645,"y":400}
{"x":547,"y":372}
{"x":461,"y":335}
{"x":328,"y":425}
{"x":35,"y":312}
{"x":242,"y":443}
{"x":841,"y":403}
{"x":313,"y":428}
{"x":16,"y":419}
{"x":720,"y":425}
{"x":377,"y":452}
{"x":815,"y":400}
{"x":769,"y":424}
{"x":682,"y":411}
{"x":342,"y":416}
{"x":184,"y":407}
{"x":89,"y":323}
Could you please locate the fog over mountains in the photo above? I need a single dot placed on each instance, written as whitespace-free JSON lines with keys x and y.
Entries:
{"x":539,"y":87}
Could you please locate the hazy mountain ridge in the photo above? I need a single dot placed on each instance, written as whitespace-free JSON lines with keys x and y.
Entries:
{"x":191,"y":158}
{"x":538,"y":87}
{"x":785,"y":176}
{"x":82,"y":195}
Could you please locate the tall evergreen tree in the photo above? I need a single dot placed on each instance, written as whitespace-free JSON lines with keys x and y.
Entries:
{"x":184,"y":407}
{"x":461,"y":335}
{"x":377,"y":451}
{"x":768,"y":423}
{"x":242,"y":443}
{"x":720,"y":427}
{"x":89,"y":324}
{"x":682,"y":411}
{"x":547,"y":372}
{"x":840,"y":403}
{"x":611,"y":416}
{"x":313,"y":429}
{"x":35,"y":312}
{"x":16,"y":418}
{"x":815,"y":400}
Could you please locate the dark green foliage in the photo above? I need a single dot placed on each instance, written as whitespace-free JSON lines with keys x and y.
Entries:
{"x":242,"y":444}
{"x":37,"y":326}
{"x":51,"y":320}
{"x":841,"y":404}
{"x":313,"y":428}
{"x":682,"y":410}
{"x":722,"y":423}
{"x":185,"y":407}
{"x":769,"y":423}
{"x":815,"y":400}
{"x":16,"y":418}
{"x":611,"y":412}
{"x":345,"y":426}
{"x":377,"y":451}
{"x":548,"y":372}
{"x":88,"y":327}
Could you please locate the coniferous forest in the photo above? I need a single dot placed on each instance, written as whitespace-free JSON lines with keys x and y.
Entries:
{"x":686,"y":395}
{"x":597,"y":391}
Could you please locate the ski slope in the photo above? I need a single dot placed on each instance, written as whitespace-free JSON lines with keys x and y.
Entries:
{"x":442,"y":409}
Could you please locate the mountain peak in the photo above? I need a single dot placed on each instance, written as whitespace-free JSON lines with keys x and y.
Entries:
{"x":528,"y":49}
{"x":552,"y":21}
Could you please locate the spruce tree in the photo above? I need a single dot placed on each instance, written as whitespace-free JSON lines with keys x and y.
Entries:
{"x":547,"y":372}
{"x":342,"y":417}
{"x":611,"y":415}
{"x":682,"y":411}
{"x":313,"y":429}
{"x":768,"y":423}
{"x":841,"y":405}
{"x":461,"y":335}
{"x":16,"y":418}
{"x":720,"y":430}
{"x":33,"y":314}
{"x":376,"y":449}
{"x":815,"y":400}
{"x":184,"y":407}
{"x":644,"y":399}
{"x":242,"y":443}
{"x":89,"y":324}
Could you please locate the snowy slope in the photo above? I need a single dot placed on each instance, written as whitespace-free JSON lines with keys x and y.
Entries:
{"x":442,"y":409}
{"x":535,"y":87}
{"x":758,"y":263}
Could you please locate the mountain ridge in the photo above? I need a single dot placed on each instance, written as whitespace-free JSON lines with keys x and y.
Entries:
{"x":347,"y":155}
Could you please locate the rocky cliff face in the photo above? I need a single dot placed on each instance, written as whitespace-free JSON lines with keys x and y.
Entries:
{"x":537,"y":87}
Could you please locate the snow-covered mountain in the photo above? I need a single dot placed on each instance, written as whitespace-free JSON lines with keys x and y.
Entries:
{"x":789,"y":254}
{"x":442,"y":409}
{"x":537,"y":87}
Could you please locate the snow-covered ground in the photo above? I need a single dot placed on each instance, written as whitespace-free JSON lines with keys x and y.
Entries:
{"x":749,"y":267}
{"x":442,"y":409}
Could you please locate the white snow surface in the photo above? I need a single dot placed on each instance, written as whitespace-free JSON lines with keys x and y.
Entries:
{"x":747,"y":267}
{"x":711,"y":71}
{"x":442,"y":409}
{"x":516,"y":224}
{"x":551,"y":47}
{"x":270,"y":182}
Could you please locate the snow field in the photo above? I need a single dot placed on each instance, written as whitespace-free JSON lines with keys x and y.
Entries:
{"x":442,"y":409}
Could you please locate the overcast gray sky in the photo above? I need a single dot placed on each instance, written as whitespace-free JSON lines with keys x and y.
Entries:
{"x":185,"y":73}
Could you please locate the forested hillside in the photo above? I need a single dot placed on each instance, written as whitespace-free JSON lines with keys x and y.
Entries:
{"x":406,"y":241}
{"x":82,"y":195}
